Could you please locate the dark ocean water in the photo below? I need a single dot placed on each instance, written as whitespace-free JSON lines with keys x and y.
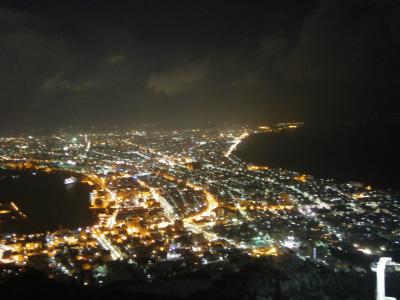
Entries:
{"x":365,"y":152}
{"x":46,"y":200}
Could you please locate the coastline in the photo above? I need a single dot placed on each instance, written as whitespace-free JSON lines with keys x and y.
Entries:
{"x":325,"y":153}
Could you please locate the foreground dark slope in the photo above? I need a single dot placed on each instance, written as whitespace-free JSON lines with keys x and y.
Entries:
{"x":285,"y":277}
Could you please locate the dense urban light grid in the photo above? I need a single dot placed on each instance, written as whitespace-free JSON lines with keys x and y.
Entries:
{"x":177,"y":201}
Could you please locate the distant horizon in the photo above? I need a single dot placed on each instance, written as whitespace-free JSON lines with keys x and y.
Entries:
{"x":200,"y":125}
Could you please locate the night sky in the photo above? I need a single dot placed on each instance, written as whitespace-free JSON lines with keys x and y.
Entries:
{"x":186,"y":63}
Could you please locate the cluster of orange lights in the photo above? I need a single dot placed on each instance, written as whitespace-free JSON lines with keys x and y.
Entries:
{"x":268,"y":207}
{"x":265,"y":251}
{"x":256,"y":168}
{"x":301,"y":178}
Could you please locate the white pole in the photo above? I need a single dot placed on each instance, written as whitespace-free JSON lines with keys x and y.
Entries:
{"x":380,"y":277}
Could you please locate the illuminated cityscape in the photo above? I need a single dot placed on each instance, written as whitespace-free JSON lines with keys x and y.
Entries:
{"x":224,"y":149}
{"x":171,"y":202}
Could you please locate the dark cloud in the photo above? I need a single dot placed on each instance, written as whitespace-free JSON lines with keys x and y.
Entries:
{"x":346,"y":61}
{"x":101,"y":62}
{"x":178,"y":80}
{"x":116,"y":59}
{"x":27,"y":51}
{"x":346,"y":42}
{"x":59,"y":83}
